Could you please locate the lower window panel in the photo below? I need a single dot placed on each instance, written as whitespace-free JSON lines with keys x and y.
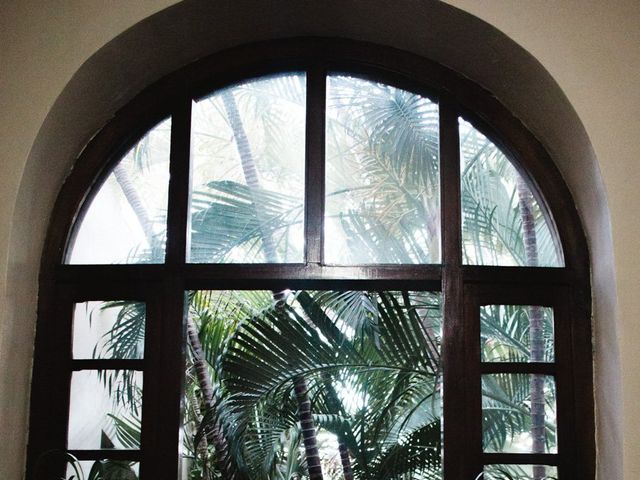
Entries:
{"x":360,"y":371}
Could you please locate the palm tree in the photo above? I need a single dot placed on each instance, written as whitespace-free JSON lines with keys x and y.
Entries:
{"x":390,"y":370}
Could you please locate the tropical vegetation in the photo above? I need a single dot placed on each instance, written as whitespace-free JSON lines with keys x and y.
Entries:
{"x":339,"y":384}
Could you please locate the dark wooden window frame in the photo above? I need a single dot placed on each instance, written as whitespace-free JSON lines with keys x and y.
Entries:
{"x":464,"y":287}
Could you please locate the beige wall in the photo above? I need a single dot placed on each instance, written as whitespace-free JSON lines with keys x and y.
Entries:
{"x":590,"y":48}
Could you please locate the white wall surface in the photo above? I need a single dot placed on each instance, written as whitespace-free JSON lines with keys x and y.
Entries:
{"x":590,"y":48}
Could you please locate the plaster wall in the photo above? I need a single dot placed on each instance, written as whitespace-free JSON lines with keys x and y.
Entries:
{"x":574,"y":82}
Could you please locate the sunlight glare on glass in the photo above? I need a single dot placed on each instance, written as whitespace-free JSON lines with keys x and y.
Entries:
{"x":382,"y":175}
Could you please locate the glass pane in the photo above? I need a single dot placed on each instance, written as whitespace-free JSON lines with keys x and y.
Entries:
{"x":516,"y":333}
{"x":519,"y":413}
{"x":369,"y":360}
{"x":105,"y":410}
{"x":247,"y":154}
{"x":112,"y":329}
{"x":382,"y":175}
{"x":103,"y":470}
{"x":126,"y":221}
{"x":502,"y":222}
{"x":520,"y":472}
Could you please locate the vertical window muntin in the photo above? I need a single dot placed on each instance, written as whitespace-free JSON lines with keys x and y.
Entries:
{"x":399,"y":269}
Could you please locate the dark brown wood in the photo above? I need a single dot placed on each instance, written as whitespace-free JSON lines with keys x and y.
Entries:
{"x":464,"y":288}
{"x":162,"y":412}
{"x":50,"y":389}
{"x":505,"y":367}
{"x":315,"y":166}
{"x":580,"y":366}
{"x":123,"y":455}
{"x":178,"y":216}
{"x":117,"y":276}
{"x":568,"y":406}
{"x":455,"y":335}
{"x":516,"y":275}
{"x":107,"y":364}
{"x":520,"y":459}
{"x":472,"y":365}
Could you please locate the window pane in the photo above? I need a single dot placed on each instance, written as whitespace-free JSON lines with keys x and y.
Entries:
{"x":126,"y":221}
{"x":516,"y":333}
{"x":105,"y":410}
{"x":103,"y":470}
{"x":382,"y":178}
{"x":370,"y":362}
{"x":247,"y":153}
{"x":519,"y":413}
{"x":520,"y":472}
{"x":108,"y":330}
{"x":502,"y":222}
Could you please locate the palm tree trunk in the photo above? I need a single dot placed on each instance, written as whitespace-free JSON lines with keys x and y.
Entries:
{"x":536,"y":321}
{"x":253,"y":182}
{"x":248,"y":163}
{"x":134,"y":200}
{"x":215,"y":435}
{"x":309,"y":435}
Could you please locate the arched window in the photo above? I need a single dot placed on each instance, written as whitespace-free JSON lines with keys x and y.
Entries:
{"x":314,"y":259}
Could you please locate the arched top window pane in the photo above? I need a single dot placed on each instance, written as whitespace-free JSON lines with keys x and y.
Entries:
{"x":502,"y":222}
{"x":382,"y":184}
{"x":247,"y":154}
{"x":126,"y":221}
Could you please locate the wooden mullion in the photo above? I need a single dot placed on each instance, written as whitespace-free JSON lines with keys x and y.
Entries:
{"x":450,"y":187}
{"x":568,"y":406}
{"x":513,"y":367}
{"x":178,"y":217}
{"x":516,"y":276}
{"x":98,"y":274}
{"x":313,"y":284}
{"x":111,"y":454}
{"x":525,"y":295}
{"x":107,"y":364}
{"x":521,"y":459}
{"x":162,"y":415}
{"x":275,"y":272}
{"x":454,"y":340}
{"x":50,"y":393}
{"x":315,"y":166}
{"x":473,"y":369}
{"x":579,"y":367}
{"x":125,"y":278}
